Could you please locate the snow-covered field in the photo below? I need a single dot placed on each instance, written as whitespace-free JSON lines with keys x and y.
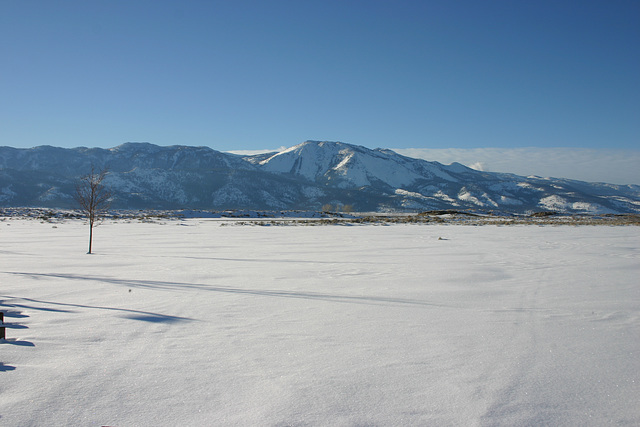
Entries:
{"x":189,"y":323}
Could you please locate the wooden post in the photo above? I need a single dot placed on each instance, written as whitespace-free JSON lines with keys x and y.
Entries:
{"x":2,"y":333}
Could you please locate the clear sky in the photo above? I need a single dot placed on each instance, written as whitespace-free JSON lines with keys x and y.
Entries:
{"x":245,"y":75}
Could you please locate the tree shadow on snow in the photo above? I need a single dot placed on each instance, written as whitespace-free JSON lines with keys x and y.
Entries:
{"x":262,"y":260}
{"x":13,"y":341}
{"x":11,"y":313}
{"x":11,"y":325}
{"x":135,"y":314}
{"x":155,"y":284}
{"x":293,"y":261}
{"x":155,"y":318}
{"x":5,"y":368}
{"x":14,"y":326}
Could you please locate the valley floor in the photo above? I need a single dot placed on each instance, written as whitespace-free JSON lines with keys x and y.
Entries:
{"x":193,"y":323}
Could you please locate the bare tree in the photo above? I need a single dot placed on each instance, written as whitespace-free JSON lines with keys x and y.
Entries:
{"x":347,"y":208}
{"x":93,"y":198}
{"x":327,"y":207}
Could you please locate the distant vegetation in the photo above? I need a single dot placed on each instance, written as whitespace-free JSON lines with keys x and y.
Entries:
{"x":312,"y":218}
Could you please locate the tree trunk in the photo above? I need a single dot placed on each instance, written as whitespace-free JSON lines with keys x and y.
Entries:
{"x":90,"y":235}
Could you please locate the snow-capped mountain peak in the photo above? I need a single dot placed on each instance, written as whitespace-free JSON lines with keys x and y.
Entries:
{"x":350,"y":165}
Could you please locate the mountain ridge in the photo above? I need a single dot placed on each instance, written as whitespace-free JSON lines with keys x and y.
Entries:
{"x":306,"y":176}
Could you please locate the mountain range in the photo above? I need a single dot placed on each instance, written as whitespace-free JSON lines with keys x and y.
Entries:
{"x":308,"y":176}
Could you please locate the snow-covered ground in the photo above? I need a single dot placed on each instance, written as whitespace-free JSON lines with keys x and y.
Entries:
{"x":189,"y":323}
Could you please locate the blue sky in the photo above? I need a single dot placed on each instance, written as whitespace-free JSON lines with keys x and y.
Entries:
{"x":248,"y":75}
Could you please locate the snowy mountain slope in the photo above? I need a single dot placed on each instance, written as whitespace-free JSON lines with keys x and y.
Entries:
{"x":306,"y":176}
{"x":344,"y":165}
{"x":122,"y":158}
{"x":414,"y":184}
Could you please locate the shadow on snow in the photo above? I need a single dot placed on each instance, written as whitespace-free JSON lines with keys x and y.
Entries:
{"x":13,"y":314}
{"x":4,"y":368}
{"x":156,"y":284}
{"x":130,"y":314}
